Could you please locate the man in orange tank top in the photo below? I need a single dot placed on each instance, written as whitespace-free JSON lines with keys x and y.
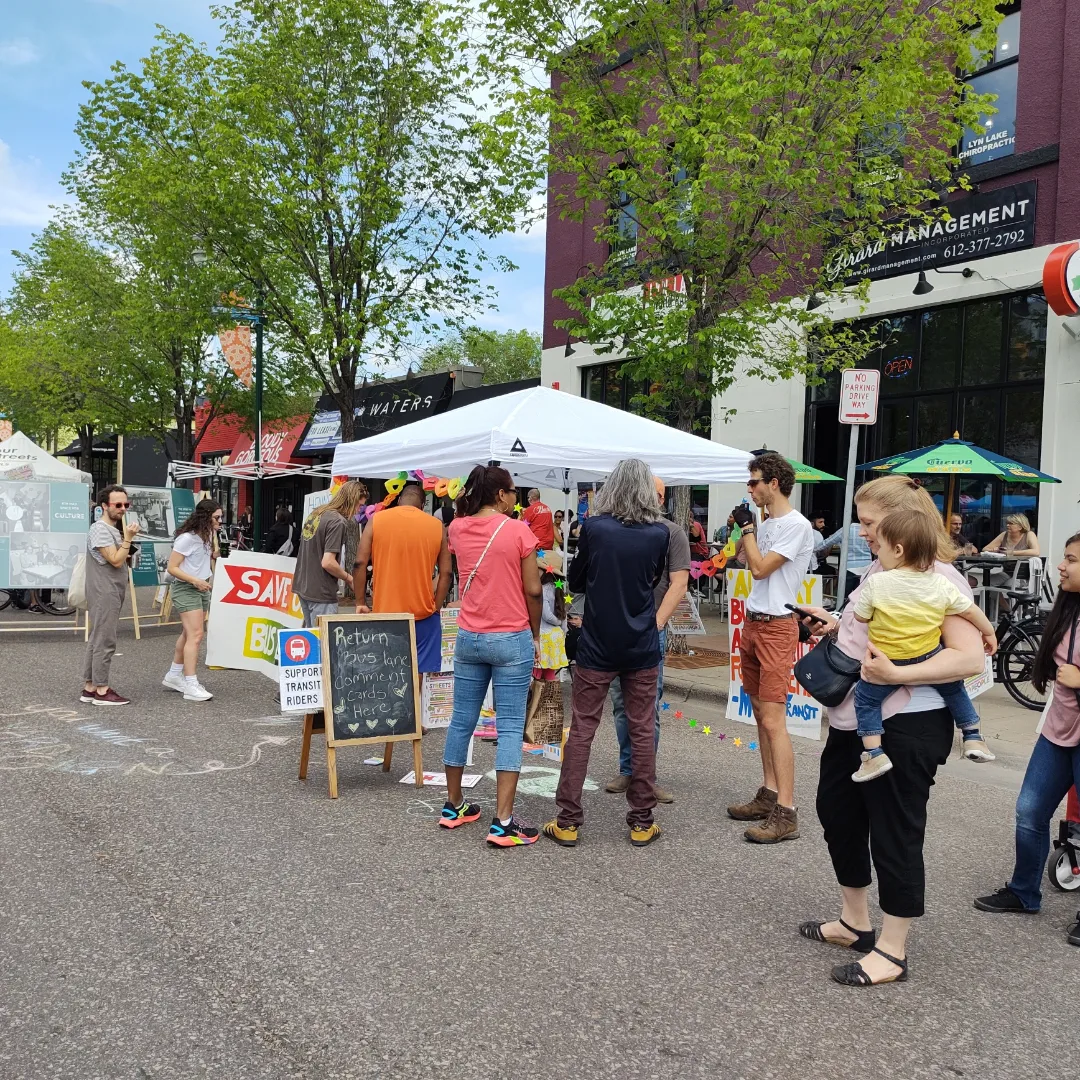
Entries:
{"x":403,"y":546}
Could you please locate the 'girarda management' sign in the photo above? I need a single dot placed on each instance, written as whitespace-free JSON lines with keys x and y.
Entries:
{"x":978,"y":225}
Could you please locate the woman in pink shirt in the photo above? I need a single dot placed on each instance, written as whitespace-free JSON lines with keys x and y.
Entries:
{"x":498,"y":642}
{"x":1054,"y":765}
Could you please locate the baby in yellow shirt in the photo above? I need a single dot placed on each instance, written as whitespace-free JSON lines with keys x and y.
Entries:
{"x":905,"y":607}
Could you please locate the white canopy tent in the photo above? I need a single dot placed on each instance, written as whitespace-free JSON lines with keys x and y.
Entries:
{"x":21,"y":457}
{"x":545,"y":438}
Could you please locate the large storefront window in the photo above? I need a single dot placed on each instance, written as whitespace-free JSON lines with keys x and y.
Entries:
{"x":995,"y":135}
{"x":976,"y":368}
{"x":224,"y":490}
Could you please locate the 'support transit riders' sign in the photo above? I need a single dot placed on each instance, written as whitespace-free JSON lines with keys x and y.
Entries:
{"x":978,"y":225}
{"x":252,"y":600}
{"x":300,"y":671}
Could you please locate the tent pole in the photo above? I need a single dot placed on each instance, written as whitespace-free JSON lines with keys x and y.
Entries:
{"x":949,"y":496}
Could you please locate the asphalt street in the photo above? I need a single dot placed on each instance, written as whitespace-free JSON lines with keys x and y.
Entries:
{"x":175,"y":903}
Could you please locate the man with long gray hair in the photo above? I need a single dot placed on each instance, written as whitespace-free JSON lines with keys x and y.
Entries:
{"x":622,"y":552}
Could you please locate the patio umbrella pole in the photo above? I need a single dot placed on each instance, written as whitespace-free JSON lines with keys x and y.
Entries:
{"x":949,"y":496}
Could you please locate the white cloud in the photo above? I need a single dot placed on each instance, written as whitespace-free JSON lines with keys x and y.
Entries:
{"x":18,"y":51}
{"x":25,"y":199}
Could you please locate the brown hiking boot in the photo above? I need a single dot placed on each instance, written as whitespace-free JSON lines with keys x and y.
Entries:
{"x":781,"y":824}
{"x":757,"y":809}
{"x":618,"y":785}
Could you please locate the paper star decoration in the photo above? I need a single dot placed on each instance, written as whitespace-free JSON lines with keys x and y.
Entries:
{"x":721,"y":736}
{"x":567,"y":598}
{"x":753,"y":746}
{"x":665,"y":706}
{"x":678,"y":715}
{"x":517,"y":510}
{"x":692,"y":723}
{"x":738,"y":741}
{"x":707,"y":729}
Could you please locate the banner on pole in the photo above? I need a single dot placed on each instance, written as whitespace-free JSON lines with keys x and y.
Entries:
{"x":236,"y":347}
{"x":803,"y":712}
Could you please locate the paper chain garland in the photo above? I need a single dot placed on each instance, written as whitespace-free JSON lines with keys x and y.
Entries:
{"x":706,"y":730}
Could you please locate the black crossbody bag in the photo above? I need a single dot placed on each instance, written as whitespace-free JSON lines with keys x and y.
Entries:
{"x":827,"y":673}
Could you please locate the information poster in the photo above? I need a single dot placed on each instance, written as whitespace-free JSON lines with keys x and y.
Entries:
{"x":159,"y":511}
{"x":686,"y":619}
{"x":448,"y":618}
{"x":300,"y":671}
{"x":251,"y":601}
{"x":804,"y":713}
{"x":42,"y":532}
{"x":437,"y":700}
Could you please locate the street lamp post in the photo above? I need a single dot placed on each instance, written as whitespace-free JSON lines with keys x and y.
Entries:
{"x":256,"y":525}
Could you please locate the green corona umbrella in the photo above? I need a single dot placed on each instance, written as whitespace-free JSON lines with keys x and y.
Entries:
{"x":807,"y":474}
{"x":804,"y":474}
{"x":955,"y":457}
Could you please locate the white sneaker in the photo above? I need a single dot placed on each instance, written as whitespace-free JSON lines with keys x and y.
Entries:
{"x":174,"y":682}
{"x":198,"y":692}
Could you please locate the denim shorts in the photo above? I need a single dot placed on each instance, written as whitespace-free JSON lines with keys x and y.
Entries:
{"x":505,"y":661}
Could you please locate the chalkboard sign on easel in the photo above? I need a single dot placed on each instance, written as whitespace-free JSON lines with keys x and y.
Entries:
{"x":371,"y":688}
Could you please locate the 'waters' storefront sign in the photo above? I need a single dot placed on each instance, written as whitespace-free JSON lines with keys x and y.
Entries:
{"x":978,"y":225}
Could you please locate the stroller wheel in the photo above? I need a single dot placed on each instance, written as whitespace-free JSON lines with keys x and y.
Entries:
{"x":1059,"y":870}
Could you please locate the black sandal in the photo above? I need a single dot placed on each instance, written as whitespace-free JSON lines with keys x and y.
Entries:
{"x":854,"y":975}
{"x":864,"y":939}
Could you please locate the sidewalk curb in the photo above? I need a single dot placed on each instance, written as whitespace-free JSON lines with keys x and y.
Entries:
{"x":678,"y":681}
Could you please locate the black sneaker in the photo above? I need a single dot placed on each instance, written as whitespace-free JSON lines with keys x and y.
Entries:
{"x":512,"y":835}
{"x":1072,"y":935}
{"x":1004,"y":900}
{"x":453,"y":816}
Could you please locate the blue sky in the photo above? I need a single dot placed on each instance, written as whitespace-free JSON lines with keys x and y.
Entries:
{"x":48,"y":48}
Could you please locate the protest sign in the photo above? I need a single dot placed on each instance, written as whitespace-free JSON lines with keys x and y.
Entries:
{"x":251,"y":601}
{"x":804,"y":713}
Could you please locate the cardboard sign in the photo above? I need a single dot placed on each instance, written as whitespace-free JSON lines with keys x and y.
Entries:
{"x":300,"y":671}
{"x":252,"y":600}
{"x":804,"y":713}
{"x":448,"y":618}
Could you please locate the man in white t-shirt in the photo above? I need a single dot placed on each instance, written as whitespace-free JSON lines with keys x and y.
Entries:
{"x":778,"y":554}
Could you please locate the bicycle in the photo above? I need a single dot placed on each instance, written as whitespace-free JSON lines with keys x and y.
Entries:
{"x":49,"y":601}
{"x":1019,"y":634}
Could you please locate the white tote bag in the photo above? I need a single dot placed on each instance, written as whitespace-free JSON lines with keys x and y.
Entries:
{"x":77,"y":588}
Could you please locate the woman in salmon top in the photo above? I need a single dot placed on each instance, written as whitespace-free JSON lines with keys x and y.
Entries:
{"x":1054,"y":765}
{"x":498,"y":642}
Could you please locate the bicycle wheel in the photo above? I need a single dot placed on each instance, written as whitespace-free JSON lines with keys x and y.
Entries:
{"x":55,"y":602}
{"x":5,"y":599}
{"x":1016,"y":662}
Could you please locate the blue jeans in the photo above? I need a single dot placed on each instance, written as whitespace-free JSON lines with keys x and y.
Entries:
{"x":869,"y":697}
{"x":506,"y":661}
{"x":1051,"y":771}
{"x":622,"y":727}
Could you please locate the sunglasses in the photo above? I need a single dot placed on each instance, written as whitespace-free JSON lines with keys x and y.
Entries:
{"x":754,"y":483}
{"x":119,"y":506}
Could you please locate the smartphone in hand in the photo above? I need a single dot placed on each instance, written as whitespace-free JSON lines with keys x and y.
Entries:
{"x":804,"y":614}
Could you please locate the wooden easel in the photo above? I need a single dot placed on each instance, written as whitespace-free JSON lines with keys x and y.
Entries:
{"x":314,"y":722}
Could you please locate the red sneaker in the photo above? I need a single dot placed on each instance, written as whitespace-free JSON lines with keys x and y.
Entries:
{"x":111,"y":697}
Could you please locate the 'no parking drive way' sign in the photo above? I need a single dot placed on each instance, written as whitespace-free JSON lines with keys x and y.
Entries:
{"x":300,"y":670}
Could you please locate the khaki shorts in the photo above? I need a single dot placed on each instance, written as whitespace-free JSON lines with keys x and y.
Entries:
{"x":185,"y":597}
{"x":767,"y":657}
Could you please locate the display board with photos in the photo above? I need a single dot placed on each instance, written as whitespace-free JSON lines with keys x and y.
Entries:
{"x":43,"y":529}
{"x":159,"y":512}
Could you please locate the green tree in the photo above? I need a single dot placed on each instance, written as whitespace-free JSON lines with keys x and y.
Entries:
{"x":505,"y":355}
{"x":724,"y":147}
{"x":333,"y":156}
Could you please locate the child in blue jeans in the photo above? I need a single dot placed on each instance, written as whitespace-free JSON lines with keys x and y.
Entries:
{"x":905,"y":607}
